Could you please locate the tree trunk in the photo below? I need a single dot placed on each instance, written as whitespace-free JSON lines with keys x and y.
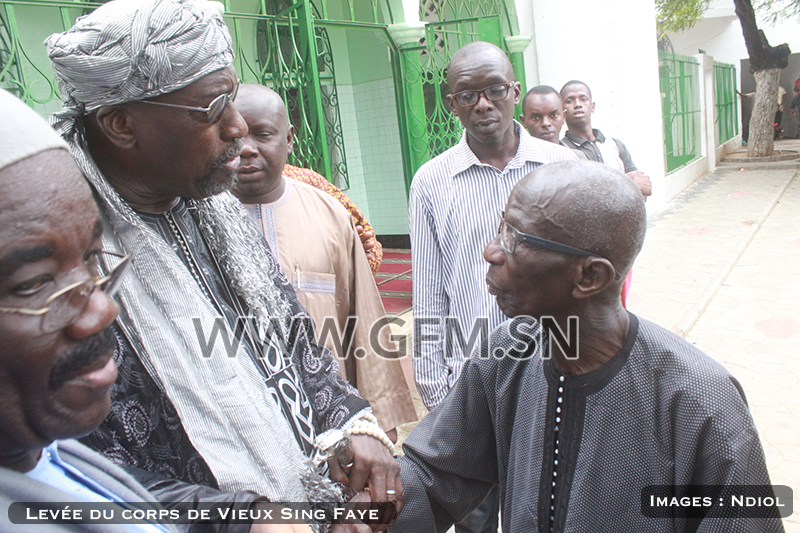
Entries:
{"x":766,"y":63}
{"x":765,"y":103}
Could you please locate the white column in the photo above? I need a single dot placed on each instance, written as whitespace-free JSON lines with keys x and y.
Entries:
{"x":411,"y":10}
{"x":525,"y":21}
{"x":707,"y":89}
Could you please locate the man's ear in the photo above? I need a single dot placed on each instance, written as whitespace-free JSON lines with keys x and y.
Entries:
{"x":594,"y":275}
{"x":115,"y":123}
{"x":517,"y":91}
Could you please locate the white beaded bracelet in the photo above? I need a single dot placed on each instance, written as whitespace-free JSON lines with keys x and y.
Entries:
{"x":369,"y":417}
{"x":367,"y":425}
{"x":365,"y":413}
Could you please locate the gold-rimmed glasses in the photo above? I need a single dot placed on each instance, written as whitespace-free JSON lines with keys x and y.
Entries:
{"x":63,"y":307}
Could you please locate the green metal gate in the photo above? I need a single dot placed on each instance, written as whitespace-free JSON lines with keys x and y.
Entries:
{"x":725,"y":101}
{"x":421,"y":73}
{"x":293,"y":57}
{"x":680,"y":93}
{"x":24,"y":67}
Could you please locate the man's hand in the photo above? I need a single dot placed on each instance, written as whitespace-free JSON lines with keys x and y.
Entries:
{"x":366,"y":240}
{"x":643,"y":182}
{"x":373,"y":464}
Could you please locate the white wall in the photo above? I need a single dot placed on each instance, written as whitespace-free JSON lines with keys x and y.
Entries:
{"x":610,"y":45}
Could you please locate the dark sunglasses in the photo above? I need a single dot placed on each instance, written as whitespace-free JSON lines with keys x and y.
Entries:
{"x":213,"y":111}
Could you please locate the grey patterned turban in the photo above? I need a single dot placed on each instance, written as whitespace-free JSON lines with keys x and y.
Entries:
{"x":134,"y":49}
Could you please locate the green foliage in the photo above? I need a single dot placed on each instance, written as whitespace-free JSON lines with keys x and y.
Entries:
{"x":680,"y":15}
{"x":774,"y":10}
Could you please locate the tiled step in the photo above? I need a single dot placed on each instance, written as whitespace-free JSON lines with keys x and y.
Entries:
{"x":394,"y":281}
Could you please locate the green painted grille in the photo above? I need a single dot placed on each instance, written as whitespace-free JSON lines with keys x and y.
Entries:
{"x":680,"y":94}
{"x":284,"y":44}
{"x":24,"y":67}
{"x":727,"y":116}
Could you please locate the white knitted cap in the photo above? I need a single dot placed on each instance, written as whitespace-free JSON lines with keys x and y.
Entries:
{"x":23,"y":133}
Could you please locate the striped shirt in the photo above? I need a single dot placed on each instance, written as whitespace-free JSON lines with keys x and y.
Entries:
{"x":454,"y":209}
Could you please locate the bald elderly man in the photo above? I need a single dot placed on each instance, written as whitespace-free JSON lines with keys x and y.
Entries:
{"x":453,"y":202}
{"x":573,"y":430}
{"x":319,"y":249}
{"x":220,"y":384}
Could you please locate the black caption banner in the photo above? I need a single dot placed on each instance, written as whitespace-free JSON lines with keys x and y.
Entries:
{"x":717,"y":501}
{"x":206,"y":513}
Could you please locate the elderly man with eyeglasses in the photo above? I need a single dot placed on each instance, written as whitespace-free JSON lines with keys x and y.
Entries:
{"x":453,"y":206}
{"x":220,"y":382}
{"x":576,"y":406}
{"x":56,"y":360}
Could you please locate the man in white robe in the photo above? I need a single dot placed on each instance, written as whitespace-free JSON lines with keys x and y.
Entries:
{"x":321,"y":255}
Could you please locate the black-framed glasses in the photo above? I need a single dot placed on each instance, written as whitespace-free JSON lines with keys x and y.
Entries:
{"x":213,"y":111}
{"x":63,"y":307}
{"x":509,"y":236}
{"x":492,"y":92}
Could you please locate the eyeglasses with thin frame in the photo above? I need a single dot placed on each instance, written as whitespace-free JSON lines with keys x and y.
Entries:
{"x":470,"y":98}
{"x":213,"y":111}
{"x":509,"y":236}
{"x":63,"y":307}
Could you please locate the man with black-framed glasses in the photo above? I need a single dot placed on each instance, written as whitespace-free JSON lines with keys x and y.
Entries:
{"x":453,"y":206}
{"x":576,"y":408}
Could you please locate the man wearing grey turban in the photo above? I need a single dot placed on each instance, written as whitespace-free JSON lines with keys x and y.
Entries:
{"x":220,"y":381}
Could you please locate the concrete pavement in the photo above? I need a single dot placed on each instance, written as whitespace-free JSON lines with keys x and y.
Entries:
{"x":721,"y":267}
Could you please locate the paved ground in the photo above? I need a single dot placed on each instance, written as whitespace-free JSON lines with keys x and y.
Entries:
{"x":721,"y":267}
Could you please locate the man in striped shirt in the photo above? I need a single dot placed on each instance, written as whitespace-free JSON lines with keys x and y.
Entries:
{"x":454,"y":207}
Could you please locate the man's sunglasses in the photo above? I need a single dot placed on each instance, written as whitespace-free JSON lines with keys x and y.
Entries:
{"x":213,"y":111}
